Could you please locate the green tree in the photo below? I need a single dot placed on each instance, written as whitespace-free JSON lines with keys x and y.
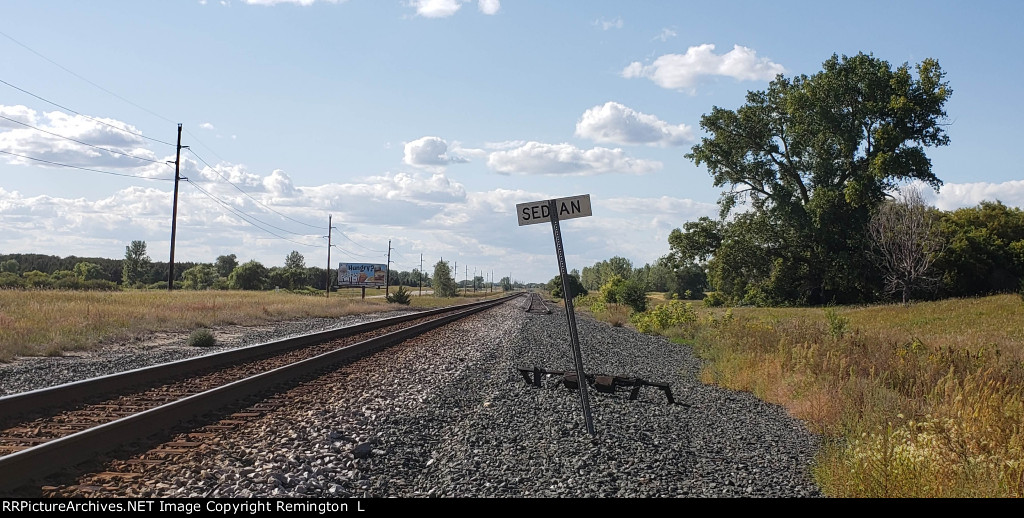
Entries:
{"x":575,"y":286}
{"x":249,"y":276}
{"x":443,"y":283}
{"x":812,"y":158}
{"x":87,"y":271}
{"x":985,"y":252}
{"x":10,"y":266}
{"x":226,"y":264}
{"x":506,"y":283}
{"x":295,"y":260}
{"x":199,"y":277}
{"x":136,"y":263}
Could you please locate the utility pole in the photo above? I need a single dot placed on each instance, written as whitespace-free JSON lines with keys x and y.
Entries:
{"x":174,"y":211}
{"x":421,"y":274}
{"x":328,"y":285}
{"x":387,"y":274}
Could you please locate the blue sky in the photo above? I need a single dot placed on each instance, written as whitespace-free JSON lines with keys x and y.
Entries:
{"x":425,"y":122}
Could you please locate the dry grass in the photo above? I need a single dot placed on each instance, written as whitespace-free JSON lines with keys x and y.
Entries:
{"x":34,"y":322}
{"x":48,"y":323}
{"x":924,"y":400}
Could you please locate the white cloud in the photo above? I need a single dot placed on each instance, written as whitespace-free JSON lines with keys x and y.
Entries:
{"x":682,"y":71}
{"x":490,"y":7}
{"x":279,"y":184}
{"x":618,"y":124}
{"x":56,"y":142}
{"x":566,"y":159}
{"x":666,"y":34}
{"x":609,"y":24}
{"x":18,"y":113}
{"x":430,"y":152}
{"x":206,"y":126}
{"x":952,"y":196}
{"x":436,"y":8}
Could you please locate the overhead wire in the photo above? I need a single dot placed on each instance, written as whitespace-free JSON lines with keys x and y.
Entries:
{"x":246,"y":217}
{"x":80,"y":114}
{"x":62,"y":67}
{"x":83,"y":168}
{"x":137,"y":134}
{"x":214,"y":169}
{"x":83,"y":143}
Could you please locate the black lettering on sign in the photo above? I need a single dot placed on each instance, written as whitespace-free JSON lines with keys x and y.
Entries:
{"x":576,"y":206}
{"x":526,"y":213}
{"x":563,"y":209}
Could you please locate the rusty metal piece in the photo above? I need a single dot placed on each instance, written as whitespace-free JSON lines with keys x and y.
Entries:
{"x":601,"y":382}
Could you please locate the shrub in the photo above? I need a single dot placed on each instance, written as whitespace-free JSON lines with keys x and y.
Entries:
{"x":634,"y":295}
{"x":201,"y":337}
{"x":11,"y":280}
{"x":714,"y":299}
{"x":675,"y":313}
{"x":837,"y":323}
{"x":400,"y":296}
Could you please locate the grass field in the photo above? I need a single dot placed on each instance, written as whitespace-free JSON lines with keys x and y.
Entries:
{"x":922,"y":400}
{"x":50,"y":322}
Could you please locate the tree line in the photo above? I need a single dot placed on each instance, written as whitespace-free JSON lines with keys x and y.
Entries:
{"x":137,"y":270}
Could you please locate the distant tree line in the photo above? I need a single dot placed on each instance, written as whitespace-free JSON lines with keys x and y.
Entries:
{"x":136,"y":270}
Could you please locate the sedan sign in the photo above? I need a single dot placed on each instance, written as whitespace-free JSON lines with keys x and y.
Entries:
{"x":538,"y":212}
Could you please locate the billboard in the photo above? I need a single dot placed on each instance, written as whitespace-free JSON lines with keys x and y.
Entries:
{"x":361,"y":274}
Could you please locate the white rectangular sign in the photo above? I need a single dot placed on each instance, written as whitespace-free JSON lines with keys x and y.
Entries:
{"x":568,"y":208}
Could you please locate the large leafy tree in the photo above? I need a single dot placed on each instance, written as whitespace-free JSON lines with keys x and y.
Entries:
{"x":811,"y":158}
{"x":249,"y":276}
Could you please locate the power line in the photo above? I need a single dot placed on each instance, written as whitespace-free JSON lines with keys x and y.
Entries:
{"x":62,"y":67}
{"x":58,"y":164}
{"x":250,"y":196}
{"x":80,"y":114}
{"x":245,"y":217}
{"x":82,"y":143}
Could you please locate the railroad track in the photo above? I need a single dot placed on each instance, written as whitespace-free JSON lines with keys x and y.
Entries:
{"x":46,"y":431}
{"x":535,"y":304}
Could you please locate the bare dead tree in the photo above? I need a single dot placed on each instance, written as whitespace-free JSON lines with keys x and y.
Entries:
{"x":906,"y":241}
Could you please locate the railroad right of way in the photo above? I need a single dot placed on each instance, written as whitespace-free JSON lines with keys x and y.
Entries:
{"x":448,"y":414}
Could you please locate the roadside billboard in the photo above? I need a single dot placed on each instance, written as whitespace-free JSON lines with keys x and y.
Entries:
{"x":364,"y":275}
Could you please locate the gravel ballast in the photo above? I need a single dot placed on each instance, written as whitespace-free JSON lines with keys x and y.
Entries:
{"x":449,"y":415}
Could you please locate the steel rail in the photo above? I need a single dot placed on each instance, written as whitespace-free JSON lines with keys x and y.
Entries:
{"x":15,"y":405}
{"x":24,"y":467}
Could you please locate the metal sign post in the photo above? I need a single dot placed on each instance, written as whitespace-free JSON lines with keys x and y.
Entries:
{"x":553,"y":210}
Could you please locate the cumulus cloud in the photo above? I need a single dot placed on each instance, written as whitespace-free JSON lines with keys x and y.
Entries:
{"x":446,"y":8}
{"x":566,"y":159}
{"x":952,"y":196}
{"x":436,"y":8}
{"x":56,"y":136}
{"x":206,"y":126}
{"x":489,"y":6}
{"x":16,"y":114}
{"x":618,"y":124}
{"x":430,"y":152}
{"x":279,"y":184}
{"x":683,"y":71}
